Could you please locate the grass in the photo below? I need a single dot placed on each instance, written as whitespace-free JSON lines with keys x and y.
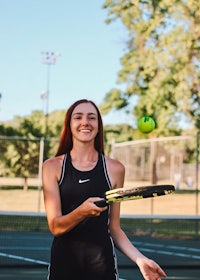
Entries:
{"x":10,"y":188}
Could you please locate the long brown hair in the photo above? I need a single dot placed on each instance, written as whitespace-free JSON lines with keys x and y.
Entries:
{"x":66,"y":143}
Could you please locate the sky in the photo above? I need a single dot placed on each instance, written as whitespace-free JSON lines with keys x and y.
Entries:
{"x":90,"y":52}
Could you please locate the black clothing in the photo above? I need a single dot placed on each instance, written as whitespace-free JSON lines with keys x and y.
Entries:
{"x":87,"y":251}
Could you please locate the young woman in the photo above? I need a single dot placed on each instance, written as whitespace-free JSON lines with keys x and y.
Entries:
{"x":79,"y":174}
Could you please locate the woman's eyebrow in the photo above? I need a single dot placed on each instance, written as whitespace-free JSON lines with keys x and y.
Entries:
{"x":80,"y":113}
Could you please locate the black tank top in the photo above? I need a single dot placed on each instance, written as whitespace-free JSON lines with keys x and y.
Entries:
{"x":87,"y":251}
{"x":76,"y":186}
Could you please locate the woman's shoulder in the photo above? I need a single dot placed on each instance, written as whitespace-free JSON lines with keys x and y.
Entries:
{"x":114,"y":164}
{"x":52,"y":167}
{"x":113,"y":161}
{"x":116,"y":172}
{"x":53,"y":162}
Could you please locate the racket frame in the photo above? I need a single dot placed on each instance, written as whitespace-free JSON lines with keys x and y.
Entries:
{"x":125,"y":194}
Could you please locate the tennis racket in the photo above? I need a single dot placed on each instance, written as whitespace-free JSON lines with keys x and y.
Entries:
{"x":124,"y":194}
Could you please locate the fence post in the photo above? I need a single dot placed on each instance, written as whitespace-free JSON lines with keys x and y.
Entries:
{"x":197,"y":183}
{"x":153,"y":156}
{"x":41,"y":157}
{"x":197,"y":172}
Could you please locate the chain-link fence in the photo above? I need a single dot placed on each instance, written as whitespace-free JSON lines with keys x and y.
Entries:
{"x":21,"y":159}
{"x":172,"y":159}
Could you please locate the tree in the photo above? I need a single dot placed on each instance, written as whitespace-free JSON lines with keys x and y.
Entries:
{"x":162,"y":62}
{"x":20,"y":143}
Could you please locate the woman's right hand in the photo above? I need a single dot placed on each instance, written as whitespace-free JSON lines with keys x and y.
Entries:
{"x":89,"y":209}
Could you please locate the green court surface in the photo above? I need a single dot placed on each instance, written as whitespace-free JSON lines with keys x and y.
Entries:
{"x":128,"y":274}
{"x":25,"y":247}
{"x":179,"y":258}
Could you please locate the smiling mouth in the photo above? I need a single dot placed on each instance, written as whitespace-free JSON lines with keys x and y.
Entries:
{"x":85,"y":130}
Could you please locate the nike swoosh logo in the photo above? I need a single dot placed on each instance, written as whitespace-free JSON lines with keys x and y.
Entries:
{"x":83,"y":181}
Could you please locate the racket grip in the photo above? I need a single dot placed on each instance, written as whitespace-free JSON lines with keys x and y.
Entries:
{"x":101,"y":203}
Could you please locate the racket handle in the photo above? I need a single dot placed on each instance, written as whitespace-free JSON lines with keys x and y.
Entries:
{"x":101,"y":203}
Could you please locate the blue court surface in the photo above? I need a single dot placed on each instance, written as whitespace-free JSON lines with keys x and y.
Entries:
{"x":25,"y":255}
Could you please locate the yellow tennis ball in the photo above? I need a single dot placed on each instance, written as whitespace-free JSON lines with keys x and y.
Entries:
{"x":146,"y":124}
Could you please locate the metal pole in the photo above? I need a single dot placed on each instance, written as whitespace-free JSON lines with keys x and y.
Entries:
{"x":41,"y":158}
{"x":47,"y":101}
{"x":48,"y":58}
{"x":197,"y":173}
{"x":0,"y":97}
{"x":197,"y":184}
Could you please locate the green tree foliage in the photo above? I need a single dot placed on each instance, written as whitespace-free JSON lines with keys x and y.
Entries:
{"x":56,"y":119}
{"x":31,"y":126}
{"x":118,"y":133}
{"x":22,"y":158}
{"x":19,"y":154}
{"x":5,"y":131}
{"x":161,"y":65}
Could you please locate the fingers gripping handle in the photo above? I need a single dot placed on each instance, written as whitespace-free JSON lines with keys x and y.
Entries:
{"x":101,"y":203}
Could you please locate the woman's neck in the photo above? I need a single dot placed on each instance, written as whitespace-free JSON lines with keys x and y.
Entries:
{"x":84,"y":158}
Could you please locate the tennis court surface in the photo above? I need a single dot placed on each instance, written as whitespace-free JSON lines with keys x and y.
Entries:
{"x":172,"y":242}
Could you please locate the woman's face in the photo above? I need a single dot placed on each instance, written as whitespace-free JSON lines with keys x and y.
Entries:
{"x":84,"y":123}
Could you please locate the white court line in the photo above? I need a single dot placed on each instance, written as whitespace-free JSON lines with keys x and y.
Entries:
{"x":25,"y":248}
{"x":167,"y":251}
{"x":168,"y":246}
{"x":29,"y":260}
{"x":162,"y":252}
{"x":23,"y":259}
{"x":181,"y":278}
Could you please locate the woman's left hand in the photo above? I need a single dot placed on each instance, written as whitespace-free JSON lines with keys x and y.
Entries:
{"x":150,"y":269}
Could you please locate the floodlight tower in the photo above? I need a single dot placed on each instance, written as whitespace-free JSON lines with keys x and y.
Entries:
{"x":48,"y":58}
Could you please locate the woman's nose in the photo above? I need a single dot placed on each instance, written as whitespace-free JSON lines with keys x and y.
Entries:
{"x":84,"y":121}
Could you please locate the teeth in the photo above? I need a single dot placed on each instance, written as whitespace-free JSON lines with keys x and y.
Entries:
{"x":84,"y":130}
